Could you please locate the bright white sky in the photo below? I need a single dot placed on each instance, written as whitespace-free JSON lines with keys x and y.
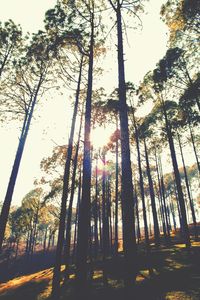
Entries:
{"x":147,"y":47}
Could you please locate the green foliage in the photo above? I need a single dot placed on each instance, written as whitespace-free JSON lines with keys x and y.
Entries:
{"x":165,"y":67}
{"x":10,"y":44}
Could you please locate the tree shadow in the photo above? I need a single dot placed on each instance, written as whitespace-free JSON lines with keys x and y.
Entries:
{"x":24,"y":265}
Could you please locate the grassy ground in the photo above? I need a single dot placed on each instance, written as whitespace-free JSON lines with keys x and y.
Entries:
{"x":176,"y":276}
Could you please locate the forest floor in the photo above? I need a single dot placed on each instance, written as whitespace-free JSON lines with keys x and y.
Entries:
{"x":176,"y":276}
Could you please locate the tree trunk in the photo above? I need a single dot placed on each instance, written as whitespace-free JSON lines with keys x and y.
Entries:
{"x":76,"y":221}
{"x":137,"y":215}
{"x":141,"y":184}
{"x":61,"y":230}
{"x":177,"y":178}
{"x":128,"y":221}
{"x":116,"y":191}
{"x":108,"y":209}
{"x":11,"y":185}
{"x":163,"y":197}
{"x":69,"y":216}
{"x":152,"y":196}
{"x":34,"y":230}
{"x":173,"y":213}
{"x":84,"y":210}
{"x":49,"y":239}
{"x":160,"y":199}
{"x":96,"y":213}
{"x":17,"y":248}
{"x":105,"y":228}
{"x":45,"y":239}
{"x":188,"y":189}
{"x":194,"y":147}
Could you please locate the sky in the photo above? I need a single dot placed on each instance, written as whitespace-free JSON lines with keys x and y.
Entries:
{"x":48,"y":128}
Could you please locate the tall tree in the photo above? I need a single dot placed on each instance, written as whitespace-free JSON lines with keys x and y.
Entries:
{"x":129,"y":241}
{"x":160,"y":77}
{"x":65,"y":191}
{"x":88,"y":13}
{"x":152,"y":195}
{"x":31,"y":73}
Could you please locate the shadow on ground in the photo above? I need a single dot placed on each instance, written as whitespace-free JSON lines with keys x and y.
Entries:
{"x":176,"y":277}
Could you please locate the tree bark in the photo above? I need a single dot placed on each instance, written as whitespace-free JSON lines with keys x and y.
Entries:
{"x":116,"y":191}
{"x":177,"y":178}
{"x":69,"y":215}
{"x":96,"y":213}
{"x":152,"y":196}
{"x":188,"y":189}
{"x":84,"y":210}
{"x":11,"y":185}
{"x":61,"y":230}
{"x":160,"y":199}
{"x":163,"y":197}
{"x":194,"y":147}
{"x":76,"y":221}
{"x":128,"y":221}
{"x":105,"y":229}
{"x":141,"y":184}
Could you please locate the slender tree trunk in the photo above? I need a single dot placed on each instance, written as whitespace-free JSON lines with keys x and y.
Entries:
{"x":160,"y":217}
{"x":27,"y":241}
{"x":49,"y":239}
{"x":11,"y":185}
{"x":177,"y":178}
{"x":34,"y":230}
{"x":152,"y":195}
{"x":173,"y":212}
{"x":61,"y":230}
{"x":84,"y":210}
{"x":141,"y":184}
{"x":30,"y":239}
{"x":137,"y":215}
{"x":149,"y":217}
{"x":128,"y":221}
{"x":116,"y":192}
{"x":76,"y":221}
{"x":96,"y":212}
{"x":160,"y":199}
{"x":177,"y":203}
{"x":188,"y":189}
{"x":108,"y":215}
{"x":163,"y":197}
{"x":53,"y":239}
{"x":105,"y":224}
{"x":194,"y":147}
{"x":100,"y":226}
{"x":45,"y":239}
{"x":69,"y":216}
{"x":168,"y":213}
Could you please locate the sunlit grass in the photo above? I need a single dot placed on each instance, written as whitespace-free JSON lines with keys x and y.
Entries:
{"x":19,"y":281}
{"x":43,"y":276}
{"x":178,"y":295}
{"x":46,"y":293}
{"x":195,"y":244}
{"x":180,"y":246}
{"x":174,"y":264}
{"x":139,"y":278}
{"x":97,"y":274}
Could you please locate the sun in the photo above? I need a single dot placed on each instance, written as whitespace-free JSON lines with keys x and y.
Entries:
{"x":100,"y":136}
